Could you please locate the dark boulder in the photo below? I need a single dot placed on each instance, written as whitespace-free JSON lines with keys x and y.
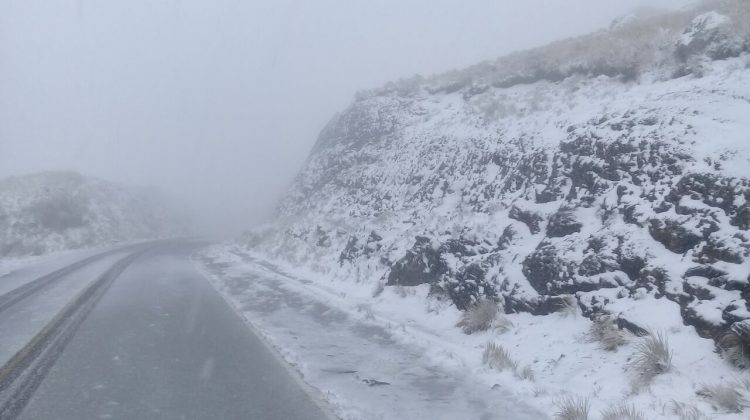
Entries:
{"x":323,"y":238}
{"x":653,"y":277}
{"x":469,"y":286}
{"x":631,"y":265}
{"x":719,"y":250}
{"x":594,"y":264}
{"x":509,"y":233}
{"x":563,"y":223}
{"x":351,"y":251}
{"x":634,"y":328}
{"x":537,"y":306}
{"x":742,"y":218}
{"x":543,"y":268}
{"x":712,"y":190}
{"x":548,"y":274}
{"x":703,"y":327}
{"x":459,"y":247}
{"x":373,"y":243}
{"x":530,"y":218}
{"x":421,"y":265}
{"x":706,"y":271}
{"x":674,"y":236}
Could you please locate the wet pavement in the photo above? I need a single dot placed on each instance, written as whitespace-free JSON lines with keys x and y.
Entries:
{"x":162,"y":344}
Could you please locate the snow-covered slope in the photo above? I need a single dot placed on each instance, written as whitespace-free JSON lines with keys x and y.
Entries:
{"x":53,"y":211}
{"x":613,"y":169}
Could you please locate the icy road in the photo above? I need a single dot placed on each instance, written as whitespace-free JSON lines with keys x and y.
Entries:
{"x":147,"y":338}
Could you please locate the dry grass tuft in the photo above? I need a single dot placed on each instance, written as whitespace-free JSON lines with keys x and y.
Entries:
{"x":496,"y":357}
{"x":652,"y":357}
{"x":484,"y":315}
{"x":571,"y":408}
{"x":730,"y":397}
{"x":687,"y":412}
{"x":622,"y":412}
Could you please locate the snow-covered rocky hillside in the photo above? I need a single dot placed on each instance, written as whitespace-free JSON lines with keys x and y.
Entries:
{"x":609,"y":174}
{"x":53,"y":211}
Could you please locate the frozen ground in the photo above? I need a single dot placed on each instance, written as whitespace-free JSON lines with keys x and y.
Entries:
{"x":366,"y":366}
{"x":345,"y":342}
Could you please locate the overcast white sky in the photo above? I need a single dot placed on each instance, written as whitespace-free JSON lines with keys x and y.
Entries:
{"x":220,"y":100}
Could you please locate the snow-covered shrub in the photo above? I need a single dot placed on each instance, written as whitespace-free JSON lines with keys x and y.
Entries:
{"x":652,"y":356}
{"x":482,"y":316}
{"x":573,"y":408}
{"x":731,"y":397}
{"x":604,"y":331}
{"x":496,"y":357}
{"x":687,"y":412}
{"x":622,"y":412}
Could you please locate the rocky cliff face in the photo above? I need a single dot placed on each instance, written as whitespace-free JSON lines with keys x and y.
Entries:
{"x":609,"y":168}
{"x":53,"y":211}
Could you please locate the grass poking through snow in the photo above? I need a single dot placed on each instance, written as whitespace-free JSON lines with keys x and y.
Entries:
{"x":496,"y":357}
{"x":730,"y":397}
{"x":652,"y":357}
{"x":622,"y":412}
{"x":482,"y":316}
{"x":571,"y":408}
{"x":687,"y":412}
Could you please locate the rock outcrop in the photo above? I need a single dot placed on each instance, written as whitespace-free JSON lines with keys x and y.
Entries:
{"x":609,"y":167}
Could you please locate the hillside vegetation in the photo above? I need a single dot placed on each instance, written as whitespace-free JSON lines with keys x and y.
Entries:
{"x":606,"y":175}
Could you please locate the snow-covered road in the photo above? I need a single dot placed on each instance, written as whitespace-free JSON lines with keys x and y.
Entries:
{"x":162,"y":344}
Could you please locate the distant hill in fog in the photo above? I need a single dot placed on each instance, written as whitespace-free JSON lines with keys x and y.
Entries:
{"x":53,"y":211}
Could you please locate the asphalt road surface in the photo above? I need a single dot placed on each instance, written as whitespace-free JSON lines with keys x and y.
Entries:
{"x":160,"y":343}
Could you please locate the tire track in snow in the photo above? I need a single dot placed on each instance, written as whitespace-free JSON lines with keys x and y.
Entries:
{"x":24,"y":372}
{"x":33,"y":287}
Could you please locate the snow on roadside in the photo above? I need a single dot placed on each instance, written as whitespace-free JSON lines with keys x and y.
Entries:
{"x":330,"y":330}
{"x":365,"y":365}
